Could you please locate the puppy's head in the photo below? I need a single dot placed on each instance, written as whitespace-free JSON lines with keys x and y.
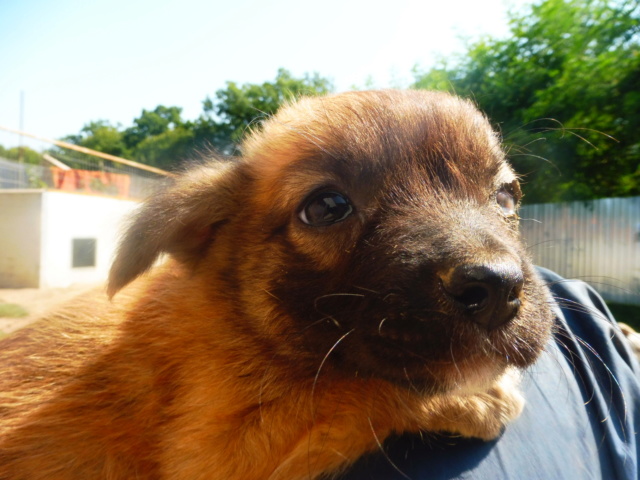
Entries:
{"x":374,"y":232}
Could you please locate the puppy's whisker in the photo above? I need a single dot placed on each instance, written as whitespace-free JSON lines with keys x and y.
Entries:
{"x":339,"y":295}
{"x":388,"y":296}
{"x":411,"y":383}
{"x":297,"y":333}
{"x":383,"y":451}
{"x":612,"y":380}
{"x":380,"y":326}
{"x":574,"y":360}
{"x":324,"y":359}
{"x":366,"y":289}
{"x":271,"y":295}
{"x":330,"y":295}
{"x":593,"y":312}
{"x":453,"y":360}
{"x":586,"y":360}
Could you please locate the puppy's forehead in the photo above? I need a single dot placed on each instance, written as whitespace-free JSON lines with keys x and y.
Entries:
{"x":366,"y":135}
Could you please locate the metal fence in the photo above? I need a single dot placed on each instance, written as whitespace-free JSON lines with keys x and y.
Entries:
{"x":596,"y":241}
{"x":19,"y":175}
{"x":104,"y":180}
{"x":30,"y":161}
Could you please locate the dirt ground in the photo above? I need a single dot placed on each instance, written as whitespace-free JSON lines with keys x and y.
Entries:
{"x":37,"y":301}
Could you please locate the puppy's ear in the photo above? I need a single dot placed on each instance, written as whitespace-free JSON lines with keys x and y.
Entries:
{"x":180,"y":221}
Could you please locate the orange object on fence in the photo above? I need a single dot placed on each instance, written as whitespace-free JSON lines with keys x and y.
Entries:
{"x":91,"y":181}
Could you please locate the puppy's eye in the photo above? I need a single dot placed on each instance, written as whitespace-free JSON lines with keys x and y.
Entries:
{"x":507,"y":203}
{"x":325,"y":208}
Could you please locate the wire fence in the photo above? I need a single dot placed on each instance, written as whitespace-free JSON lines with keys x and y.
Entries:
{"x":27,"y":163}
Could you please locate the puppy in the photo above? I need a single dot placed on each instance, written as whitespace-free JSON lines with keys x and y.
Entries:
{"x":356,"y":273}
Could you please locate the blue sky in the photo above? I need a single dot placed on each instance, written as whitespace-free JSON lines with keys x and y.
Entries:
{"x":83,"y":60}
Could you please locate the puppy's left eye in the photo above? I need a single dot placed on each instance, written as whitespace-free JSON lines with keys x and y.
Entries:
{"x":507,"y":203}
{"x":325,"y":208}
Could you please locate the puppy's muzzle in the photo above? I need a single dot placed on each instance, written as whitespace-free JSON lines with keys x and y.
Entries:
{"x":487,"y":293}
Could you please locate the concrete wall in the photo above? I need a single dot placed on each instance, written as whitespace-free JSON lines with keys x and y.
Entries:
{"x":67,"y":216}
{"x":37,"y":231}
{"x":20,"y":239}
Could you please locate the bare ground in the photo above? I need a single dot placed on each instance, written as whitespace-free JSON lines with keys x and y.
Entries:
{"x":37,"y":301}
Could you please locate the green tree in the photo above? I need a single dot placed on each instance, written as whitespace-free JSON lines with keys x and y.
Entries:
{"x":237,"y":107}
{"x":24,"y":154}
{"x":563,"y":89}
{"x":151,"y":123}
{"x":100,"y":135}
{"x":167,"y":149}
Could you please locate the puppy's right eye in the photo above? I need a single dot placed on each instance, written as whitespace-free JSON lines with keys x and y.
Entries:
{"x":325,"y":208}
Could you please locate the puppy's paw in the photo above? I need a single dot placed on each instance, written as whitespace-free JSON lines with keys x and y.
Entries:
{"x":490,"y":412}
{"x":633,"y":338}
{"x":481,"y":415}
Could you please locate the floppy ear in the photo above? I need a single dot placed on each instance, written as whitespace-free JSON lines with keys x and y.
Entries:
{"x":179,"y":221}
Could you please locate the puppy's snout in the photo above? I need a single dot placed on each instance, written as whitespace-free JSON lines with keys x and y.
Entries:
{"x":488,"y":294}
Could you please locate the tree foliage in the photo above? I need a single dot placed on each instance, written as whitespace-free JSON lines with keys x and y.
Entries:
{"x":152,"y":123}
{"x":240,"y":106}
{"x":102,"y":136}
{"x":161,"y":138}
{"x":21,"y":154}
{"x":563,"y":89}
{"x":166,"y":149}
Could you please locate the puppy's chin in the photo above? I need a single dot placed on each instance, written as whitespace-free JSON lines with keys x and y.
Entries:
{"x":404,"y":366}
{"x":442,"y":354}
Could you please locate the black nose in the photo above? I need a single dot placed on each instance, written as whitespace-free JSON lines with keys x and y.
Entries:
{"x":489,"y":294}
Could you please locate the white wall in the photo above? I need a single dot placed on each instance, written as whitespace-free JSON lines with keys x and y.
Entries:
{"x":66,"y":216}
{"x":20,"y":216}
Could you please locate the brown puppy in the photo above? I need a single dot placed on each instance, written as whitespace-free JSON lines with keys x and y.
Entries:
{"x":357,"y":272}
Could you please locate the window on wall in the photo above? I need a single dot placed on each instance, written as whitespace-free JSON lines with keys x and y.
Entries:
{"x":84,"y":252}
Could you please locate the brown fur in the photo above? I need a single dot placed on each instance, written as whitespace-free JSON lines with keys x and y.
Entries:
{"x":266,"y":348}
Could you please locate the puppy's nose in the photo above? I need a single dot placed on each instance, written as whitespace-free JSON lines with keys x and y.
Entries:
{"x":488,"y":294}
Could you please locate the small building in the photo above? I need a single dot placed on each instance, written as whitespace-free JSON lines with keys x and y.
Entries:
{"x":55,"y":238}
